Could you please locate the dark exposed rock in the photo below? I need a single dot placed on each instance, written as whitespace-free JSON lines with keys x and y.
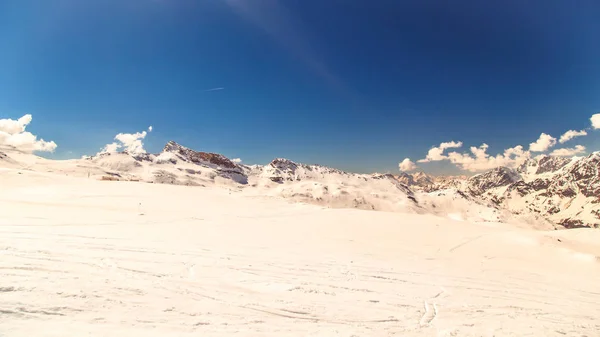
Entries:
{"x":224,"y":167}
{"x":521,"y":187}
{"x":572,"y":223}
{"x":530,"y":163}
{"x":283,"y":164}
{"x":141,"y":156}
{"x":553,"y":210}
{"x":462,"y":194}
{"x":562,"y":180}
{"x":200,"y":157}
{"x":539,"y":184}
{"x":406,"y":179}
{"x":567,"y":192}
{"x":497,"y":177}
{"x":551,"y":164}
{"x":287,"y":166}
{"x":585,"y":174}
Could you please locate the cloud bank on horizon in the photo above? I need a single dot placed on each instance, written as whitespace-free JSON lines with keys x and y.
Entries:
{"x":12,"y":133}
{"x":479,"y":160}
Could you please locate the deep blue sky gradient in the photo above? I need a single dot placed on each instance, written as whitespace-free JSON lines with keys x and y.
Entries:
{"x":352,"y":84}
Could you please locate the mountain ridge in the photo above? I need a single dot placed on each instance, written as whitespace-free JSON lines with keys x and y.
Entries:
{"x":547,"y":187}
{"x":549,"y":191}
{"x":564,"y":190}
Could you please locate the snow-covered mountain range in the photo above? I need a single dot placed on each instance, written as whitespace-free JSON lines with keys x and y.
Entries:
{"x":565,"y":191}
{"x":547,"y":192}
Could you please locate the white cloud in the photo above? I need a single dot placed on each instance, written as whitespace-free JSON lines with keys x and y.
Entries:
{"x":236,"y":160}
{"x":165,"y":157}
{"x":543,"y":143}
{"x":111,"y":148}
{"x":130,"y":142}
{"x":150,"y":128}
{"x":407,"y":165}
{"x":595,"y":119}
{"x":568,"y":152}
{"x":437,"y":153}
{"x":12,"y":132}
{"x":567,"y":136}
{"x":480,"y":160}
{"x":12,"y":126}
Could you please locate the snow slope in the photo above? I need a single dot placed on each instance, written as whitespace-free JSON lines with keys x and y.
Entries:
{"x":331,"y":187}
{"x":83,"y":257}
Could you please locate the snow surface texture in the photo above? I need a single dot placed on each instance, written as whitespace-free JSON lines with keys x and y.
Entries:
{"x":80,"y":256}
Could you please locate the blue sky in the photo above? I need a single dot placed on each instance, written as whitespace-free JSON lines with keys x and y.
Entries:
{"x":358,"y":85}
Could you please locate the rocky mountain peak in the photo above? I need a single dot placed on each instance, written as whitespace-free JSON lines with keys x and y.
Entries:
{"x":406,"y":179}
{"x":284,"y":164}
{"x":199,"y":157}
{"x":551,"y":164}
{"x":585,"y":174}
{"x":529,"y":166}
{"x":565,"y":191}
{"x":423,"y":179}
{"x":500,"y":176}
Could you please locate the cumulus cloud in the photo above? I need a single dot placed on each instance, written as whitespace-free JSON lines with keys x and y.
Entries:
{"x":407,"y":165}
{"x":595,"y":119}
{"x":437,"y":153}
{"x":150,"y":128}
{"x":543,"y":143}
{"x":130,"y":142}
{"x":12,"y":126}
{"x":236,"y":160}
{"x":480,"y":160}
{"x":12,"y":132}
{"x":568,"y":152}
{"x":567,"y":136}
{"x":111,"y":148}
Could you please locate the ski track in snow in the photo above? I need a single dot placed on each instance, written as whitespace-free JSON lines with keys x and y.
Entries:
{"x":203,"y":262}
